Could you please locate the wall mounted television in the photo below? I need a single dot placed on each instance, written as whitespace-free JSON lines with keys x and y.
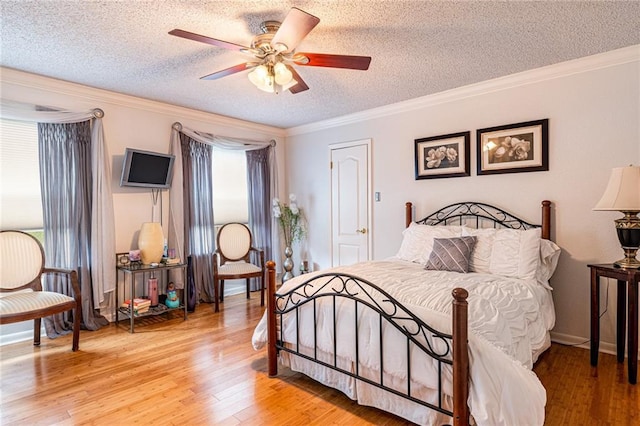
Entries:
{"x":146,"y":169}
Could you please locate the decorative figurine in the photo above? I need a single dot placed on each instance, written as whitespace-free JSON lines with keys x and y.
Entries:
{"x":172,"y":297}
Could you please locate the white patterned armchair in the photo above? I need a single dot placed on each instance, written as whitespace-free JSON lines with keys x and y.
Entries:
{"x":231,"y":259}
{"x":21,"y":295}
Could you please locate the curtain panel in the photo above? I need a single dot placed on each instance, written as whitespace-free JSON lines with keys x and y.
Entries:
{"x":199,"y":231}
{"x":66,"y":182}
{"x":259,"y":190}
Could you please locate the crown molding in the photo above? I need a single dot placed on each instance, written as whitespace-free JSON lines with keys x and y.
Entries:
{"x":550,"y":72}
{"x":34,"y":81}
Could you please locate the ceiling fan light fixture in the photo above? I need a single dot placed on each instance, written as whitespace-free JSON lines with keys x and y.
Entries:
{"x":282,"y":74}
{"x":262,"y":78}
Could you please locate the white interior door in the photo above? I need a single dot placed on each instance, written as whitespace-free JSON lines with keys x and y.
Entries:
{"x":350,"y":233}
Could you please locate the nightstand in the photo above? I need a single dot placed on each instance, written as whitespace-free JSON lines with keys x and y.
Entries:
{"x":627,"y":303}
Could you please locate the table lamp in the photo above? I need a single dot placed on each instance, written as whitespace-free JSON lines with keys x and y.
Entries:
{"x":623,"y":195}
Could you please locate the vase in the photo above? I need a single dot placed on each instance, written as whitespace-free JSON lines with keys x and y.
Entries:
{"x":151,"y":242}
{"x":287,"y":264}
{"x":191,"y":287}
{"x":152,"y":291}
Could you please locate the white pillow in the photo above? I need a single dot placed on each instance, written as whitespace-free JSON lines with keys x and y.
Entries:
{"x":515,"y":253}
{"x":549,"y":255}
{"x":417,"y":241}
{"x":481,"y":255}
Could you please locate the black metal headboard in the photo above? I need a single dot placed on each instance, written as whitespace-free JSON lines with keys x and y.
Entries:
{"x":473,"y":214}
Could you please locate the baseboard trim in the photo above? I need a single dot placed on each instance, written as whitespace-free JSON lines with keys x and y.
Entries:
{"x":19,"y":336}
{"x":582,"y":342}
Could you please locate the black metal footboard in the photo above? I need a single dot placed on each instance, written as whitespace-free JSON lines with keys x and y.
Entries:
{"x":366,"y":300}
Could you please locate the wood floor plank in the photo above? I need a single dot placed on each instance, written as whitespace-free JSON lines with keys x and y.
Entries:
{"x":204,"y":371}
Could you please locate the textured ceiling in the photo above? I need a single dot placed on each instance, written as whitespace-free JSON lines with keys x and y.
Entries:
{"x":418,"y":48}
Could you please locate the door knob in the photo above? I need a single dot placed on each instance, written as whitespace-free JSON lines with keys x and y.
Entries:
{"x":361,"y":231}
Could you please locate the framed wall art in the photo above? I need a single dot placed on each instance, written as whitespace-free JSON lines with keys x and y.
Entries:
{"x":443,"y":156}
{"x":514,"y":148}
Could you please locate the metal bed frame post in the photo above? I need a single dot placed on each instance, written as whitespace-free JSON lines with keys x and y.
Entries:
{"x":460,"y":358}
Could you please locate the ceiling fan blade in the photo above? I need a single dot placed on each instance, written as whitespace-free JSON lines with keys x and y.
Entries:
{"x":301,"y":86}
{"x":333,"y":61}
{"x":223,"y":73}
{"x":296,"y":25}
{"x":204,"y":39}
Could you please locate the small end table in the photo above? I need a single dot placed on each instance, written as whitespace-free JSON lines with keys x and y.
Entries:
{"x":627,"y":301}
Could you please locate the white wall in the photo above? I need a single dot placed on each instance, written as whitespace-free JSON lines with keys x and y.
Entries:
{"x":593,"y":107}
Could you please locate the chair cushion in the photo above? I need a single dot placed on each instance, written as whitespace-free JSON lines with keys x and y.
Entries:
{"x":236,"y":268}
{"x":23,"y":302}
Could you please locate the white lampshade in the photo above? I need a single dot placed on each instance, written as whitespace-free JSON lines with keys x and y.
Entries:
{"x":623,"y":190}
{"x":262,"y":78}
{"x":282,"y":74}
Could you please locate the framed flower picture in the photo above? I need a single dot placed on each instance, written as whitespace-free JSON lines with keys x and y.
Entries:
{"x":443,"y":156}
{"x":514,"y":148}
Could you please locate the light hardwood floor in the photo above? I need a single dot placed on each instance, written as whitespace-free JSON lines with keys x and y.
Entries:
{"x":204,"y":371}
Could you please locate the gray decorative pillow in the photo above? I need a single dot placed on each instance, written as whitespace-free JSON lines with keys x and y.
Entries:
{"x":451,"y":254}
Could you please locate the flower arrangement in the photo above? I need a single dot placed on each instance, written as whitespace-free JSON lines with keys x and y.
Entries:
{"x":290,"y":218}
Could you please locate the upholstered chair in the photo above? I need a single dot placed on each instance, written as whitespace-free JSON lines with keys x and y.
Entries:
{"x":22,"y":298}
{"x":231,"y":260}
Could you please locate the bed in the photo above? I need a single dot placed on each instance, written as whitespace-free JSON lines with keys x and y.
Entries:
{"x":446,"y":331}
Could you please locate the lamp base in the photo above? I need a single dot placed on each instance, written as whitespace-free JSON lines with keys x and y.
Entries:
{"x":630,"y":261}
{"x":628,"y":229}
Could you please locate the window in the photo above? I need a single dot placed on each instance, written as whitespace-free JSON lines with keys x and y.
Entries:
{"x":20,"y":197}
{"x":230,"y":197}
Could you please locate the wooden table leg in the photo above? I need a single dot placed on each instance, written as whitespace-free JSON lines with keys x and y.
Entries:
{"x":633,"y":330}
{"x":595,"y":321}
{"x":621,"y":318}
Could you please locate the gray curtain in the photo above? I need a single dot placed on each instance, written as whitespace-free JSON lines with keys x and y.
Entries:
{"x":66,"y":183}
{"x":199,"y":228}
{"x":259,"y":192}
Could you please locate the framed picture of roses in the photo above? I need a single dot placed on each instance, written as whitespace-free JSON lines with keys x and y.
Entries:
{"x":514,"y":148}
{"x":443,"y":156}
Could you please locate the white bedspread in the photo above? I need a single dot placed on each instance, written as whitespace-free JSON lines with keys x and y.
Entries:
{"x":509,"y":320}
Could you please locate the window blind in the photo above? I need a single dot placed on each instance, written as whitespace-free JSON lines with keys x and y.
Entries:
{"x":20,"y":201}
{"x":230,"y":195}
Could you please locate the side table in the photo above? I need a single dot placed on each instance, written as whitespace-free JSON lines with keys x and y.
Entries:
{"x":627,"y":302}
{"x":129,"y":275}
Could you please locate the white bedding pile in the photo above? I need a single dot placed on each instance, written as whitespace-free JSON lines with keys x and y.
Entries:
{"x":509,"y":321}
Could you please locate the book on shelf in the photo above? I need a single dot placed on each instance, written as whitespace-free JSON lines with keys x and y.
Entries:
{"x":171,"y":260}
{"x":137,"y":303}
{"x":140,"y":311}
{"x":140,"y":305}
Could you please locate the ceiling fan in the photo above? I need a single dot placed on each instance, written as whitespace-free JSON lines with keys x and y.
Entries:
{"x":274,"y":54}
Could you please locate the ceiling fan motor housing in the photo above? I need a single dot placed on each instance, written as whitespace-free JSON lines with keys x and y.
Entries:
{"x":263,"y":41}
